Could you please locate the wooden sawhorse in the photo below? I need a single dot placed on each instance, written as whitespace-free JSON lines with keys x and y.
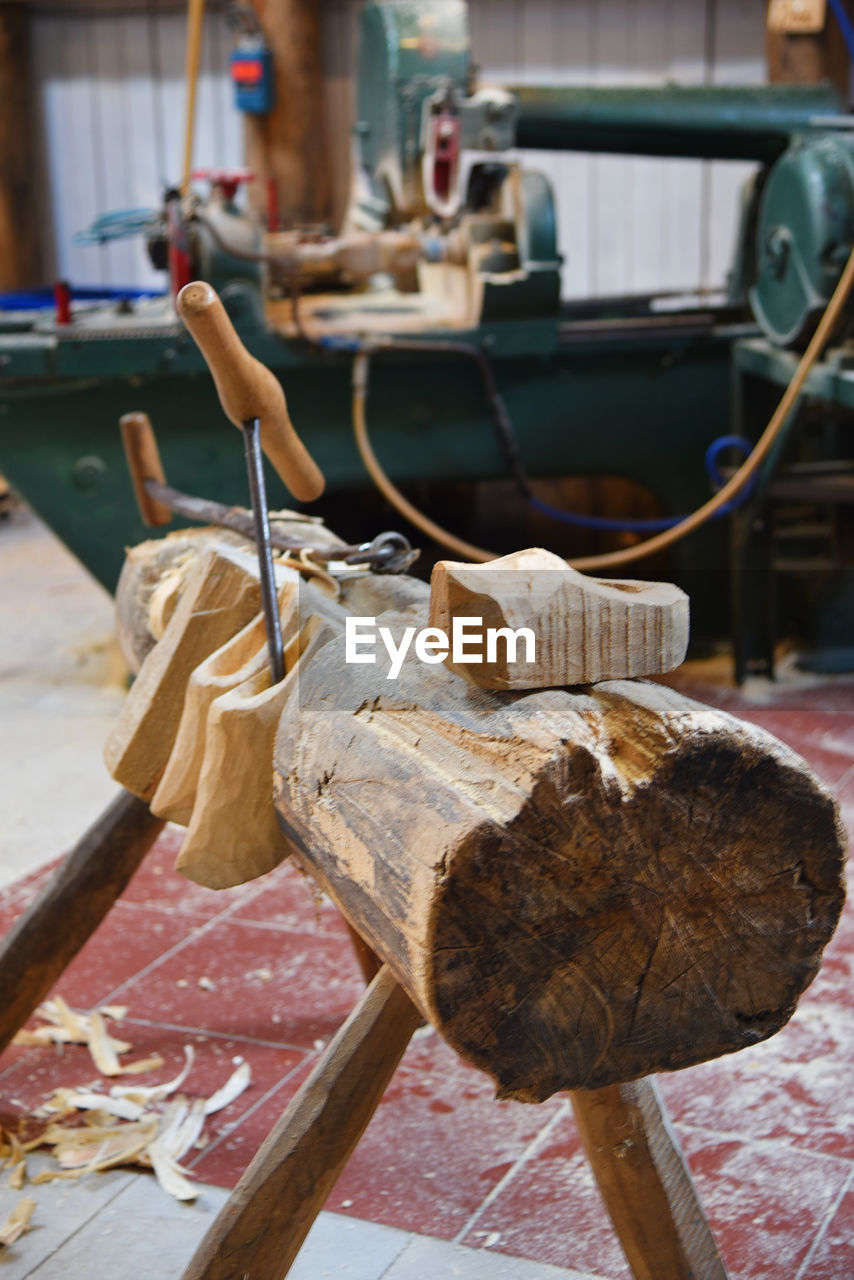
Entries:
{"x":640,"y":1171}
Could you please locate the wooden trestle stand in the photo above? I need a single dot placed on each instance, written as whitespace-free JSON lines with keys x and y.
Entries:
{"x":578,"y":887}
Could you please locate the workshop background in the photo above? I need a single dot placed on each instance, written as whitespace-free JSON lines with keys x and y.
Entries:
{"x":447,"y":1182}
{"x":108,"y":83}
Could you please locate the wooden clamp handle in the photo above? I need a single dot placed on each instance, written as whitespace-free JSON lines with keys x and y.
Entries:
{"x":144,"y":463}
{"x":247,"y":389}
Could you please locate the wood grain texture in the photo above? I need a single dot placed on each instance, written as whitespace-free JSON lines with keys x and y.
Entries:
{"x":241,"y":658}
{"x":645,"y":1183}
{"x":247,"y":388}
{"x":233,"y":835}
{"x":221,"y":594}
{"x":143,"y":459}
{"x":579,"y":888}
{"x":585,"y":629}
{"x":270,"y":1211}
{"x":289,"y":147}
{"x":20,"y":249}
{"x":45,"y":939}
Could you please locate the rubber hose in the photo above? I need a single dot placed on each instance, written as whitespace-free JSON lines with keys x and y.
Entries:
{"x":660,"y":541}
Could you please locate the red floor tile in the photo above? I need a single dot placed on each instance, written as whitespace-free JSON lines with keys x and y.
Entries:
{"x":157,"y":884}
{"x":552,"y":1212}
{"x":268,"y":984}
{"x":764,"y":1201}
{"x":41,"y":1070}
{"x":833,"y":1258}
{"x":437,"y":1146}
{"x":129,"y":939}
{"x":223,"y":1162}
{"x":289,"y":899}
{"x":769,"y":1132}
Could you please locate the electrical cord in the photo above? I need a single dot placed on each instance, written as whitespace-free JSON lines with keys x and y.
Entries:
{"x":717,"y":505}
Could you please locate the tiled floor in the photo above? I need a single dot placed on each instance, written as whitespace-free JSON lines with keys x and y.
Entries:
{"x":265,"y":972}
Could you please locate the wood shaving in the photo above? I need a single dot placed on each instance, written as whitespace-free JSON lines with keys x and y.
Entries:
{"x":17,"y":1222}
{"x":17,"y":1177}
{"x":127,"y":1126}
{"x":233,"y":1087}
{"x":65,"y":1026}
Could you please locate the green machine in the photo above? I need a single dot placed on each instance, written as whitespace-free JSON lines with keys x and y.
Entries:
{"x":449,"y":239}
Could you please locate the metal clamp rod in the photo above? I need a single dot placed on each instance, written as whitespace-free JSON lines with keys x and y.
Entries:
{"x":261,"y":519}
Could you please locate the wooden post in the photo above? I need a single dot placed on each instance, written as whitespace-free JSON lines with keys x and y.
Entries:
{"x":20,"y":250}
{"x":39,"y":946}
{"x":810,"y":57}
{"x":288,"y":146}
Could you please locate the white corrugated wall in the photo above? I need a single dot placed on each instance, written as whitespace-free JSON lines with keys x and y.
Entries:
{"x":112,"y":103}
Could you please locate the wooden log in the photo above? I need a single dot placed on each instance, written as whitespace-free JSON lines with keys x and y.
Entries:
{"x":577,"y":888}
{"x":580,"y":629}
{"x":645,"y":1183}
{"x":46,"y":938}
{"x":270,"y":1211}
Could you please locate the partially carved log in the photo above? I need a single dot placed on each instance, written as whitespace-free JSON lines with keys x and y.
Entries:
{"x":577,"y":886}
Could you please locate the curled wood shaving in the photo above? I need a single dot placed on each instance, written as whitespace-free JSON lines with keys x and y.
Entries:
{"x":233,"y":1087}
{"x":126,"y":1126}
{"x":102,"y":1047}
{"x":64,"y":1026}
{"x":65,"y":1100}
{"x":142,"y":1065}
{"x":11,"y":1151}
{"x":17,"y":1177}
{"x":142,"y":1094}
{"x":17,"y":1222}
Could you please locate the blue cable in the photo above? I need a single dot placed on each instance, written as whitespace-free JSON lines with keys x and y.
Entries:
{"x":609,"y":525}
{"x":844,"y":25}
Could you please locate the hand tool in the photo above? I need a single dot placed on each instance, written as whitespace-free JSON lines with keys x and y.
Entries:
{"x":253,"y":399}
{"x":388,"y":552}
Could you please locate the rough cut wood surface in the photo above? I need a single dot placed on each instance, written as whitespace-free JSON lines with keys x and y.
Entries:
{"x":577,"y":887}
{"x":585,"y":629}
{"x":228,"y":667}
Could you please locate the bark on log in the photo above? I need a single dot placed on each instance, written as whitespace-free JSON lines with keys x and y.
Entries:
{"x":577,"y":888}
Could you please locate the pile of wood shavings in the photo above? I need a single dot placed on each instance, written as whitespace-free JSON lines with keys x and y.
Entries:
{"x":141,"y":1125}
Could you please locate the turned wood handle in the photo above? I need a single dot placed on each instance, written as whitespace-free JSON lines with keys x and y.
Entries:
{"x":247,"y":389}
{"x":143,"y":459}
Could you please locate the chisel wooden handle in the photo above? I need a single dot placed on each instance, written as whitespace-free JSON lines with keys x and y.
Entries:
{"x":143,"y":459}
{"x":247,"y":389}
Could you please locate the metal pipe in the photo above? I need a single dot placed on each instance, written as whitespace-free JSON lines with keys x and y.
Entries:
{"x":705,"y":121}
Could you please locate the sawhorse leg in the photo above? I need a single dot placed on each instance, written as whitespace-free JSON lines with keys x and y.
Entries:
{"x":46,"y":938}
{"x":645,"y":1183}
{"x":640,"y":1171}
{"x":270,"y":1212}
